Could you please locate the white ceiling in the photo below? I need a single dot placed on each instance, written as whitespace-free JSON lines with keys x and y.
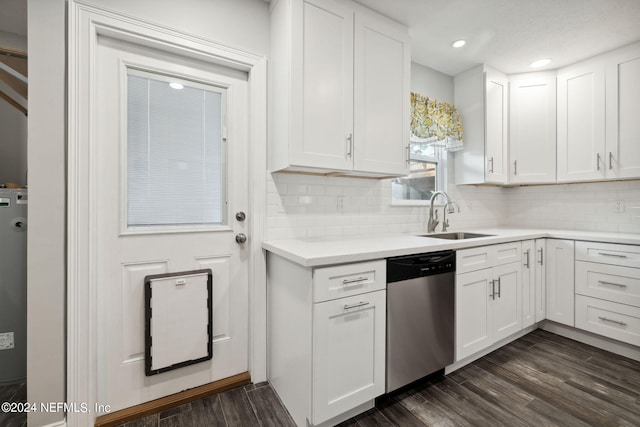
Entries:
{"x":510,"y":34}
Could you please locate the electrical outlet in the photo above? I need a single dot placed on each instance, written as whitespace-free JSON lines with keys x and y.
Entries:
{"x":620,"y":206}
{"x":6,"y":341}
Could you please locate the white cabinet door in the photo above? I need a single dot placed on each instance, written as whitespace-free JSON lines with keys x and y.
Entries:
{"x":382,"y":70}
{"x":348,"y":353}
{"x":507,"y":300}
{"x":496,"y":101}
{"x":540,"y":280}
{"x":528,"y":283}
{"x":560,"y":280}
{"x":481,"y":97}
{"x":322,"y":80}
{"x":623,"y":104}
{"x":473,"y":312}
{"x":532,"y":129}
{"x":581,"y":122}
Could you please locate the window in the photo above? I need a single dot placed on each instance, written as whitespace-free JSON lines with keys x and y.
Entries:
{"x":176,"y":159}
{"x":428,"y":165}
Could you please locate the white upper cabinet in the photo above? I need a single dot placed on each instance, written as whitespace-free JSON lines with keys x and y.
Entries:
{"x":381,"y":102}
{"x":598,"y":126}
{"x":532,"y":128}
{"x":481,"y":98}
{"x":581,"y":122}
{"x":339,"y":98}
{"x":623,"y":108}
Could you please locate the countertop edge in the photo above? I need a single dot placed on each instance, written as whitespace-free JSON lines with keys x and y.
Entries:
{"x":323,"y":252}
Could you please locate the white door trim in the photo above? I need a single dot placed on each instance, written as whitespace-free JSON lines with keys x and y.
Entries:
{"x":86,"y":23}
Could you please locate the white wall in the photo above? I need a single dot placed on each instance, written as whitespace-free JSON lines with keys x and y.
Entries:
{"x":13,"y":146}
{"x":46,"y":241}
{"x":429,"y":82}
{"x":313,"y":206}
{"x":241,"y":24}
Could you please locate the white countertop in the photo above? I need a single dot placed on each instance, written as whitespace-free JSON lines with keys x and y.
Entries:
{"x":319,"y":251}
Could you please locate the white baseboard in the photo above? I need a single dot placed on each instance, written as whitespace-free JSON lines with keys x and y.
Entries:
{"x":598,"y":341}
{"x":460,"y":363}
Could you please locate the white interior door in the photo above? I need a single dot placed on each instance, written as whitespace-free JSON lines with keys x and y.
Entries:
{"x":170,"y":171}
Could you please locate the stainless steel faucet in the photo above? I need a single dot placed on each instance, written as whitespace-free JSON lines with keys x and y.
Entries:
{"x":448,"y":207}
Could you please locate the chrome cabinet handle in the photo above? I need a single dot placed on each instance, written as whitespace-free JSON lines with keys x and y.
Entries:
{"x":359,"y":304}
{"x":541,"y":260}
{"x":526,"y":264}
{"x":498,"y":287}
{"x":618,"y":322}
{"x":620,"y":285}
{"x":352,"y":281}
{"x":491,"y":161}
{"x":598,"y":161}
{"x":610,"y":160}
{"x":349,"y":145}
{"x":613,"y":255}
{"x":493,"y":290}
{"x":515,"y":167}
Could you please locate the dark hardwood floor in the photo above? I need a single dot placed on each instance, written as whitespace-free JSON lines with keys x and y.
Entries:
{"x":541,"y":379}
{"x":13,"y":393}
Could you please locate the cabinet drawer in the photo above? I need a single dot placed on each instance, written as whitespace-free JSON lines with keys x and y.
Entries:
{"x":507,"y":253}
{"x":348,"y":279}
{"x":608,"y":282}
{"x":608,"y":253}
{"x":613,"y":320}
{"x":487,"y":256}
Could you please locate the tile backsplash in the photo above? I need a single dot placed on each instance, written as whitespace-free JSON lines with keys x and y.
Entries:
{"x":599,"y":206}
{"x":308,"y":206}
{"x":304,"y":206}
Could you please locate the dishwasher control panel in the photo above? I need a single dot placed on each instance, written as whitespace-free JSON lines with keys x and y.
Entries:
{"x":412,"y":266}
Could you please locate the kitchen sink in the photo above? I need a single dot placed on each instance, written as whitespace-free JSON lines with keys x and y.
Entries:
{"x":456,"y":236}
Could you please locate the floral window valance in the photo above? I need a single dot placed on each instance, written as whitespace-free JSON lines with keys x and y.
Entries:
{"x":436,"y":123}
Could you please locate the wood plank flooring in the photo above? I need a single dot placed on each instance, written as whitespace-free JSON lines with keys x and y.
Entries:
{"x":13,"y":393}
{"x":541,"y":379}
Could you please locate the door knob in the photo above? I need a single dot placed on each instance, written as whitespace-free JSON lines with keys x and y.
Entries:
{"x":241,"y":238}
{"x":241,"y":216}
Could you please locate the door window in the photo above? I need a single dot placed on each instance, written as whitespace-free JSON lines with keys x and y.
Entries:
{"x":176,"y":157}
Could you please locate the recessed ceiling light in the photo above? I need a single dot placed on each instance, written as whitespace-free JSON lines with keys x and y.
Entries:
{"x":176,"y":85}
{"x":540,"y":63}
{"x":459,"y":43}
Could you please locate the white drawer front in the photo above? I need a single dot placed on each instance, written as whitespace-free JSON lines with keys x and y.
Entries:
{"x":609,"y":282}
{"x":348,"y":279}
{"x":474,"y":259}
{"x":608,"y":253}
{"x":613,"y":320}
{"x":487,"y":256}
{"x":507,"y":253}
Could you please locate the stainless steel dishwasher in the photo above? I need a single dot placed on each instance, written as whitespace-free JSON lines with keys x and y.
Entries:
{"x":420,"y":316}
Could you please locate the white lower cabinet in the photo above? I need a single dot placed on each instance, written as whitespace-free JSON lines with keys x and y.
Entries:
{"x":559,"y":274}
{"x":488,"y":300}
{"x":326,"y":329}
{"x":348,"y":353}
{"x":533,"y":282}
{"x":608,"y":290}
{"x":610,"y":319}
